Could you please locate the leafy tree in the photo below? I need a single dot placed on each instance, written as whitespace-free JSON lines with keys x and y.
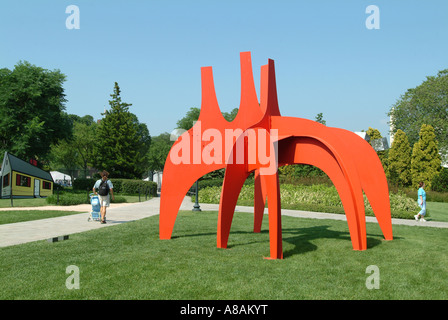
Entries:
{"x":32,"y":116}
{"x":160,"y":147}
{"x":230,"y":116}
{"x":192,"y":115}
{"x":122,"y":142}
{"x":320,"y":118}
{"x":398,"y":170}
{"x":426,"y":161}
{"x":64,"y":157}
{"x":424,"y":104}
{"x":84,"y":140}
{"x":187,"y":122}
{"x":76,"y":152}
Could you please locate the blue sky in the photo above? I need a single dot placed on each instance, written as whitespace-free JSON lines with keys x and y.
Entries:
{"x":326,"y":59}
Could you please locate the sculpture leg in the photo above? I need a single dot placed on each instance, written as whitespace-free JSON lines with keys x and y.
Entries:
{"x":259,"y":200}
{"x":275,"y":222}
{"x":312,"y":152}
{"x":233,"y":182}
{"x":177,"y":179}
{"x":373,"y":180}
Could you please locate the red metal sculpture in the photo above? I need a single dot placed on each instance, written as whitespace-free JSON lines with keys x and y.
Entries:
{"x":260,"y":140}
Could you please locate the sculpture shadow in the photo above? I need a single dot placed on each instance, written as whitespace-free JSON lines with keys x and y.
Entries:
{"x":302,"y":238}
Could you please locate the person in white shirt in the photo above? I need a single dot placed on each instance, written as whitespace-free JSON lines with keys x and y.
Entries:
{"x":105,"y":189}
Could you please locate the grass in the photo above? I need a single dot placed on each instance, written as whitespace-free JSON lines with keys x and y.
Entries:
{"x":439,"y":211}
{"x":128,"y":261}
{"x":28,"y":215}
{"x":31,"y":202}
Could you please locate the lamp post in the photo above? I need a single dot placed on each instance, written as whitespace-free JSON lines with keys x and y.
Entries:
{"x":196,"y":206}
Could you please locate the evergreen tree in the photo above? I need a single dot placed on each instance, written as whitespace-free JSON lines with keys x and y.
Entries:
{"x":122,"y":142}
{"x":426,"y":161}
{"x":398,"y":170}
{"x":375,"y":142}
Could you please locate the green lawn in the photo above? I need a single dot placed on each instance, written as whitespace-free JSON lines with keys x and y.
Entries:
{"x":32,"y":202}
{"x":128,"y":261}
{"x":438,"y":211}
{"x":28,"y":215}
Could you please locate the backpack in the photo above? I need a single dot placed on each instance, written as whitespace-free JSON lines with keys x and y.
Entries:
{"x":103,"y":190}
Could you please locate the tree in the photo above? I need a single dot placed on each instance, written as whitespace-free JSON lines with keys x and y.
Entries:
{"x":32,"y":116}
{"x":230,"y":116}
{"x":64,"y":157}
{"x":320,"y":119}
{"x":425,"y":161}
{"x":160,"y":147}
{"x":187,"y":122}
{"x":374,"y":134}
{"x":122,"y":142}
{"x":74,"y":153}
{"x":440,"y":181}
{"x":424,"y":104}
{"x":375,"y":142}
{"x":192,"y":116}
{"x":398,"y":170}
{"x":84,"y":140}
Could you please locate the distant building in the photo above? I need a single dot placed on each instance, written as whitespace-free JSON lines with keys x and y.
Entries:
{"x":21,"y":179}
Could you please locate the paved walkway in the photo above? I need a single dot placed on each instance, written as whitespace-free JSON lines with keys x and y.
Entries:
{"x":22,"y":232}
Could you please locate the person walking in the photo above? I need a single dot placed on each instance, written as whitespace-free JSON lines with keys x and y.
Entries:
{"x":105,"y":189}
{"x":421,"y":200}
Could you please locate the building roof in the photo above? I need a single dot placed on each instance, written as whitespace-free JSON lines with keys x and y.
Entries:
{"x":27,"y":168}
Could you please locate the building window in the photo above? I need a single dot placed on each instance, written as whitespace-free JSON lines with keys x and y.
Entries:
{"x":46,"y":185}
{"x":6,"y":180}
{"x":23,"y":181}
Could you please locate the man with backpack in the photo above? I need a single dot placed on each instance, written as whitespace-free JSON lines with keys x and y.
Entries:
{"x":105,"y":189}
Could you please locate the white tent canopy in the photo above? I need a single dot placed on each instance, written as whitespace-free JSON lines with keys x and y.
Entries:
{"x":61,"y":178}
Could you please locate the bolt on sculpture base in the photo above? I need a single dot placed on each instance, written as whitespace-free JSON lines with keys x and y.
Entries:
{"x":259,"y":140}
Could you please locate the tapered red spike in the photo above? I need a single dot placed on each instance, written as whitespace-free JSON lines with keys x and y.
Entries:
{"x":209,"y":106}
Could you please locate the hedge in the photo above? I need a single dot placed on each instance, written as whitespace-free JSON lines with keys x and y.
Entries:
{"x":315,"y":198}
{"x":127,"y":186}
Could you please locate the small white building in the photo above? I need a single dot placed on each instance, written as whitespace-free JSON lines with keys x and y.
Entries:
{"x":61,"y":178}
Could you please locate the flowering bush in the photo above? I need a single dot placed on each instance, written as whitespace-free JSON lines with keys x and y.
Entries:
{"x":315,"y":198}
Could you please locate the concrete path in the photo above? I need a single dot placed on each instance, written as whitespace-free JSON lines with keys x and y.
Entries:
{"x":22,"y":232}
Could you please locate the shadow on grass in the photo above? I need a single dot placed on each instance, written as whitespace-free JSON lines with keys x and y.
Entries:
{"x":301,"y":238}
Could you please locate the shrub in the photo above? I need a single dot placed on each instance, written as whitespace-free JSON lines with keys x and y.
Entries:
{"x":129,"y":186}
{"x":75,"y":198}
{"x":321,"y":198}
{"x":440,"y":181}
{"x":83,"y":184}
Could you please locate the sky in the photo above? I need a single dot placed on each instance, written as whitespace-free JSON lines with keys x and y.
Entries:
{"x":326,"y":59}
